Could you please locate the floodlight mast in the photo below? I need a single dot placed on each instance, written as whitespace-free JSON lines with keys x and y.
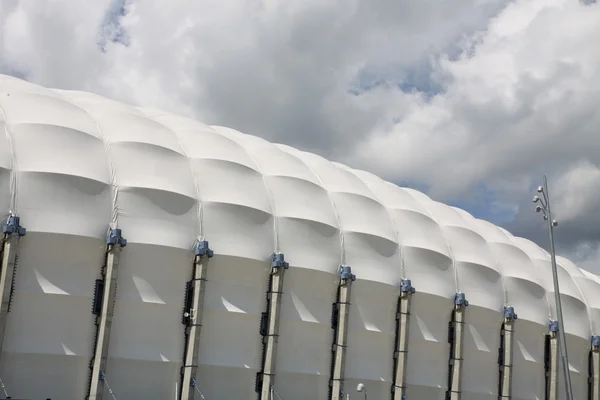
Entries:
{"x":545,"y":207}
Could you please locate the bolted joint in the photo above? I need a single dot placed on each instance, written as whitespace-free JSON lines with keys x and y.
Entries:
{"x":509,"y":314}
{"x":406,"y":287}
{"x":102,"y":376}
{"x":460,"y":300}
{"x":346,"y":273}
{"x":202,"y":249}
{"x":279,"y":261}
{"x":596,"y":342}
{"x":13,"y":225}
{"x":115,"y":237}
{"x":553,"y":326}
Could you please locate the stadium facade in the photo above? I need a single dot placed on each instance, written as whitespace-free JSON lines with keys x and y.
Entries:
{"x":214,"y":220}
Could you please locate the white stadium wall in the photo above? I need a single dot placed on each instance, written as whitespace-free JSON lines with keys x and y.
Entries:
{"x":74,"y":165}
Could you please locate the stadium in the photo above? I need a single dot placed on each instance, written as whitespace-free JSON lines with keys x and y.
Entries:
{"x":145,"y":253}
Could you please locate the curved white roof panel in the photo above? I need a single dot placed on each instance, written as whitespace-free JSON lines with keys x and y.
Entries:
{"x":72,"y":164}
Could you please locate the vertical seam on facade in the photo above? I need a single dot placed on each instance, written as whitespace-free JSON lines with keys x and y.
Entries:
{"x":14,"y":166}
{"x":199,"y":203}
{"x":267,"y":189}
{"x":333,"y":207}
{"x":109,"y":161}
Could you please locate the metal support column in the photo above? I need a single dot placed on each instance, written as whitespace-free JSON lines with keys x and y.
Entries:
{"x":192,"y":319}
{"x":103,"y":308}
{"x":455,"y":338}
{"x":13,"y":231}
{"x":269,"y":328}
{"x":339,"y":322}
{"x":551,"y":361}
{"x":401,"y":345}
{"x":505,"y":354}
{"x":594,"y":369}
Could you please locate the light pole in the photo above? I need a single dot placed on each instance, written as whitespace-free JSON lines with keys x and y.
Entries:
{"x":544,"y":207}
{"x":361,"y":388}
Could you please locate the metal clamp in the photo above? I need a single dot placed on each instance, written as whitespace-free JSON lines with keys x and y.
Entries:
{"x":406,"y":287}
{"x":115,"y":237}
{"x":279,"y":261}
{"x":509,"y":314}
{"x":346,"y":273}
{"x":460,"y":300}
{"x":202,"y":249}
{"x":13,"y":225}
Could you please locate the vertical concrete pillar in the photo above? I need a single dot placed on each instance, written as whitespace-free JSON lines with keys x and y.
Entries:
{"x":104,"y":304}
{"x":341,"y":310}
{"x":551,"y":361}
{"x":401,"y":353}
{"x":270,"y":328}
{"x":506,"y":353}
{"x":12,"y":231}
{"x":456,"y":339}
{"x":192,"y":319}
{"x":594,"y":369}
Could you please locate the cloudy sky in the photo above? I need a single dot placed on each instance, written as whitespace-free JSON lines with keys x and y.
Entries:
{"x":471,"y":101}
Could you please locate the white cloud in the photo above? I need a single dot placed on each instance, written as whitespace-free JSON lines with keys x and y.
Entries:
{"x":578,"y":192}
{"x":280,"y":69}
{"x":522,"y":100}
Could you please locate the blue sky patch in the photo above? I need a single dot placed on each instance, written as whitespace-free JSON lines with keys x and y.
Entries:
{"x":111,"y":30}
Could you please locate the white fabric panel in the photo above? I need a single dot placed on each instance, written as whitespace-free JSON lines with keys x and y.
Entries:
{"x":238,"y":231}
{"x":478,"y":276}
{"x":94,"y":103}
{"x":336,"y":180}
{"x":477,"y":270}
{"x":428,"y":348}
{"x":574,"y":309}
{"x":528,"y":360}
{"x":524,"y":290}
{"x":481,"y":343}
{"x":10,"y":85}
{"x":85,"y":162}
{"x":125,"y":127}
{"x":305,"y":324}
{"x":147,"y":334}
{"x":6,"y":160}
{"x":579,"y":281}
{"x":43,"y":109}
{"x":230,"y":343}
{"x":579,"y":350}
{"x":59,"y":150}
{"x":236,"y":223}
{"x":46,"y":353}
{"x":590,"y":286}
{"x":157,"y":200}
{"x":65,"y":204}
{"x":371,"y":328}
